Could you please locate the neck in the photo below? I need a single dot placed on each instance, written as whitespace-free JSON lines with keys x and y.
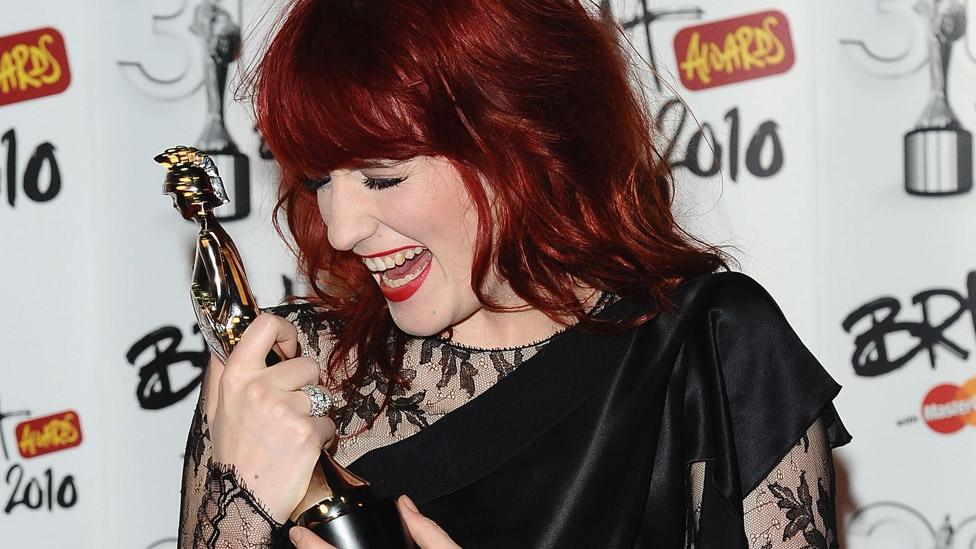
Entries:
{"x":498,"y":330}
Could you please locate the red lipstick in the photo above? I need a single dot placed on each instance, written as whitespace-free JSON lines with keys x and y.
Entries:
{"x":406,"y":291}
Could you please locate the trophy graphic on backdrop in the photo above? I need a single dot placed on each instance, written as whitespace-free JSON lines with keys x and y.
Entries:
{"x":221,"y":38}
{"x":339,"y":506}
{"x":939,"y":151}
{"x":902,"y":526}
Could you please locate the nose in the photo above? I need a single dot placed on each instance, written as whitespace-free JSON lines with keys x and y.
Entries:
{"x":347,"y":212}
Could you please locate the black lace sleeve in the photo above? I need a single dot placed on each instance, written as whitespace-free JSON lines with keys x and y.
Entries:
{"x":216,"y":508}
{"x":793,"y":508}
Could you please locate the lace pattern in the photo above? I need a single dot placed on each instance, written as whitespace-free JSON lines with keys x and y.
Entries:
{"x":792,"y":508}
{"x":231,"y":515}
{"x":443,"y":376}
{"x":217,"y":510}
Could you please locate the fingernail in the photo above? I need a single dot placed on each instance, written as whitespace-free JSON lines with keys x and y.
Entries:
{"x":409,"y":503}
{"x":295,"y":534}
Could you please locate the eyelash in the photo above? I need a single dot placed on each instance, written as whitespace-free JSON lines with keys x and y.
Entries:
{"x":374,"y":183}
{"x":379,"y":183}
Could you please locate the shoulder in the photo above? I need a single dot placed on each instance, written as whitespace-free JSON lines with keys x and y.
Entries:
{"x":727,"y":291}
{"x":735,"y":306}
{"x":741,"y":351}
{"x":743,"y":324}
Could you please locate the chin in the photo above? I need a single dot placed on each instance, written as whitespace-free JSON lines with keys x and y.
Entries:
{"x":427,"y":326}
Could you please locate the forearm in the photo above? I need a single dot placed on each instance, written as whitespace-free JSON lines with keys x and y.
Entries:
{"x":216,"y":508}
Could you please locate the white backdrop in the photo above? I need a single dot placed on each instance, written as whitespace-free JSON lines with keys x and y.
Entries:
{"x":95,"y":272}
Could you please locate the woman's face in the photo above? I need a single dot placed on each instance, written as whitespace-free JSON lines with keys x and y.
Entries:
{"x":413,"y":225}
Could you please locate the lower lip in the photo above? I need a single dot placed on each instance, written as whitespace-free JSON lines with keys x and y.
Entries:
{"x":406,"y":291}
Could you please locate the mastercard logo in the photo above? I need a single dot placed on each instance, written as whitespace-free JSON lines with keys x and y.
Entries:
{"x":948,"y":408}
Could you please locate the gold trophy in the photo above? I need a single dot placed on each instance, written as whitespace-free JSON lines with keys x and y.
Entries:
{"x":338,"y":506}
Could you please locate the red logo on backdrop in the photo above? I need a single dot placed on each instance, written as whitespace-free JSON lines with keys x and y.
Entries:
{"x":948,"y":408}
{"x":734,"y":50}
{"x":43,"y":435}
{"x":32,"y":64}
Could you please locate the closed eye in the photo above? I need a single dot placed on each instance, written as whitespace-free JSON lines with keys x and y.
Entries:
{"x":317,"y":183}
{"x":377,"y":183}
{"x":374,"y":183}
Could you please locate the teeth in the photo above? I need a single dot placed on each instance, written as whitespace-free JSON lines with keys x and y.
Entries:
{"x":405,"y":280}
{"x":380,"y":264}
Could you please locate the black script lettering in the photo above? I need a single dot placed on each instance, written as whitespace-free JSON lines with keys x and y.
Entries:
{"x":36,"y":493}
{"x":155,"y":390}
{"x":871,"y":355}
{"x":765,"y":137}
{"x":693,"y":155}
{"x":43,"y":157}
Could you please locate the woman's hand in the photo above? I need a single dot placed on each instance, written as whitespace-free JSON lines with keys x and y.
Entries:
{"x":424,"y":531}
{"x":259,"y":421}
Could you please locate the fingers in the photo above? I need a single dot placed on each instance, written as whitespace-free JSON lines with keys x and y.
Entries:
{"x":303,"y":538}
{"x":265,"y":332}
{"x":424,"y":531}
{"x":324,"y":428}
{"x":291,"y":375}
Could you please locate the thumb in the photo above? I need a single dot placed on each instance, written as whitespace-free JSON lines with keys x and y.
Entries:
{"x":424,"y":531}
{"x":265,"y":332}
{"x":303,"y":538}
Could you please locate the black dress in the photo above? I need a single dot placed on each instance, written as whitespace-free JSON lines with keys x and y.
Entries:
{"x":588,"y":443}
{"x":657,"y":437}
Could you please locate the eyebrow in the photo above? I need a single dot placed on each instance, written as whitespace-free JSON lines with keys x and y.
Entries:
{"x":381,"y":164}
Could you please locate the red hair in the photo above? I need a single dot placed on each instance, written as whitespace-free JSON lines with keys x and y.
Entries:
{"x":531,"y":98}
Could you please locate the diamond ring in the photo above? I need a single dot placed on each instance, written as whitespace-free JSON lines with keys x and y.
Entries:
{"x":320,"y":401}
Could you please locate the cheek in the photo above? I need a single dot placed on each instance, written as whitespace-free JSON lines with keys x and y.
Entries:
{"x":456,"y":226}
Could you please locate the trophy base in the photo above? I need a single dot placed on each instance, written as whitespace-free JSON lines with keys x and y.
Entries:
{"x":938,"y":161}
{"x":377,"y":525}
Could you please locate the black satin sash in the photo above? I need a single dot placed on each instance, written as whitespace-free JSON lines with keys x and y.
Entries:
{"x":588,"y":443}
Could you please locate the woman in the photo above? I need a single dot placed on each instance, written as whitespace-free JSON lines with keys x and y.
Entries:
{"x":517,"y":334}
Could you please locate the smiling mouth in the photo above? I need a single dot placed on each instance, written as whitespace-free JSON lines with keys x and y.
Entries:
{"x":392,"y":260}
{"x":401,"y":275}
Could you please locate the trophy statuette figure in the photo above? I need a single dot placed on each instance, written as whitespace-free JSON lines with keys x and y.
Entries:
{"x":939,"y":151}
{"x":220,"y":38}
{"x":338,"y":506}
